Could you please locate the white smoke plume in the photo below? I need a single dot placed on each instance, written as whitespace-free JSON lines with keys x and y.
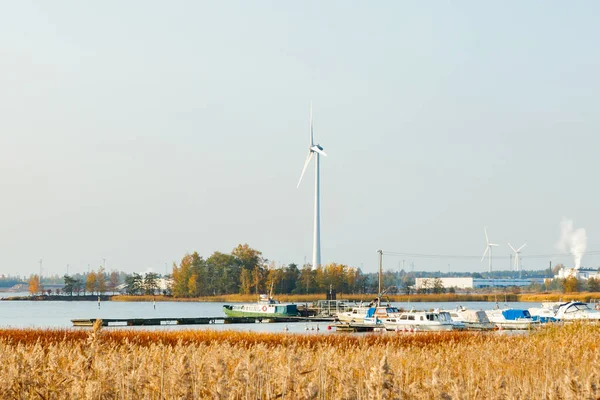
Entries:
{"x":574,"y":241}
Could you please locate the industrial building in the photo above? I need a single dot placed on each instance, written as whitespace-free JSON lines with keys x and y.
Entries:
{"x":475,"y":283}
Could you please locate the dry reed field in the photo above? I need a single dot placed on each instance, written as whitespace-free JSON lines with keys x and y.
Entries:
{"x":558,"y":362}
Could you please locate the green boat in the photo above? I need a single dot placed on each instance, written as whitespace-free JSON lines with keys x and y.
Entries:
{"x":266,"y":307}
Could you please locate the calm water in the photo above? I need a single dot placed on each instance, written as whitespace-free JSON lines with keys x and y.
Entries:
{"x":58,"y":314}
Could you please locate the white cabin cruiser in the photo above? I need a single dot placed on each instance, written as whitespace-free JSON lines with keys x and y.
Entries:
{"x":419,"y":321}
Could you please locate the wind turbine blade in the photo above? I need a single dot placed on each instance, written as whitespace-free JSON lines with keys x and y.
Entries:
{"x":310,"y":153}
{"x":487,"y":240}
{"x":522,"y":247}
{"x":318,"y":150}
{"x":493,"y":244}
{"x":312,"y":139}
{"x":513,"y":249}
{"x":484,"y":253}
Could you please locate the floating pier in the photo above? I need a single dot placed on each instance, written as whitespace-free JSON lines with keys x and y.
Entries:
{"x":194,"y":321}
{"x":356,"y":327}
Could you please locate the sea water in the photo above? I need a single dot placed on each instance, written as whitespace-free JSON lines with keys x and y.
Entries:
{"x":58,"y":314}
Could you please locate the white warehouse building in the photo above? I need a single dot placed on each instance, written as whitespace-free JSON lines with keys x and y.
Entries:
{"x":475,"y":283}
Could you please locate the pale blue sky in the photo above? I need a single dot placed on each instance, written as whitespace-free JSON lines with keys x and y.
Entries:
{"x":139,"y":131}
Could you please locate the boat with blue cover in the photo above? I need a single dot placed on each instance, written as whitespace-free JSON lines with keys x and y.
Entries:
{"x":512,"y":318}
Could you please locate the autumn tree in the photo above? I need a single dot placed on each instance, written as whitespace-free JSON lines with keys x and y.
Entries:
{"x":245,"y":282}
{"x":571,"y":284}
{"x":181,"y":276}
{"x":113,"y":281}
{"x":91,"y":283}
{"x":101,"y":281}
{"x":247,"y":256}
{"x":34,"y":285}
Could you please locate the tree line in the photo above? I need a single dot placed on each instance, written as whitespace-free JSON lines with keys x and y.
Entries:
{"x":245,"y":271}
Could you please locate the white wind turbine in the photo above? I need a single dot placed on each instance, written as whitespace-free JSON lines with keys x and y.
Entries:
{"x":315,"y":149}
{"x":488,"y":247}
{"x":517,"y":266}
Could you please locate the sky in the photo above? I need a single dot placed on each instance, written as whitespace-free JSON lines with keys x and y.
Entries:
{"x":132,"y":133}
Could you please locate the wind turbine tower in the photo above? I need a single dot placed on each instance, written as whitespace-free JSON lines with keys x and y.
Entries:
{"x":317,"y":150}
{"x":488,"y":248}
{"x":517,"y":252}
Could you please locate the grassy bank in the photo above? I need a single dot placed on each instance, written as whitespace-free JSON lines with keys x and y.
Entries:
{"x":126,"y":364}
{"x":303,"y":298}
{"x":540,"y":297}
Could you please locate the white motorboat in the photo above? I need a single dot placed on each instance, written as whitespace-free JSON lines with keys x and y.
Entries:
{"x":576,"y":311}
{"x":419,"y":321}
{"x":545,"y":313}
{"x":512,"y":318}
{"x":475,"y":320}
{"x":356,"y":314}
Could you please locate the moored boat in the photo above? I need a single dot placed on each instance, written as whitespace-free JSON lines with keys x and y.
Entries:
{"x":475,"y":320}
{"x":266,"y":307}
{"x":356,"y":314}
{"x":512,"y":318}
{"x":419,"y":320}
{"x":576,"y":311}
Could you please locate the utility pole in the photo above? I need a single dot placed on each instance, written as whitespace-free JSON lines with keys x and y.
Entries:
{"x":380,"y":272}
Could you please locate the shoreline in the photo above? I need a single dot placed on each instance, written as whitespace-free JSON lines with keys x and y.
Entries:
{"x":586,"y":297}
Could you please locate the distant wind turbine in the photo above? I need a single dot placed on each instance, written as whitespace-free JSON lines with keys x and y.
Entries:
{"x":312,"y":150}
{"x":488,"y":247}
{"x":517,"y":266}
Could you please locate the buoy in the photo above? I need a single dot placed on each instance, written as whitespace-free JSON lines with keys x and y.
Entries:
{"x":286,"y":328}
{"x":312,"y":328}
{"x":404,"y":329}
{"x":306,"y":327}
{"x":328,"y":327}
{"x":396,"y":330}
{"x":318,"y":327}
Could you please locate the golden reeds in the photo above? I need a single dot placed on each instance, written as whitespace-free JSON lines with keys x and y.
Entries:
{"x":554,"y":362}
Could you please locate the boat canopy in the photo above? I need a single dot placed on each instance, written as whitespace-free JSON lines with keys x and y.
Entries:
{"x":512,"y":314}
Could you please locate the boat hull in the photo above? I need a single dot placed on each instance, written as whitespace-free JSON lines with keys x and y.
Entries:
{"x":261,"y":311}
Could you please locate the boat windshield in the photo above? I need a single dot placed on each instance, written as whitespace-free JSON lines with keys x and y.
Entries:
{"x":578,"y":307}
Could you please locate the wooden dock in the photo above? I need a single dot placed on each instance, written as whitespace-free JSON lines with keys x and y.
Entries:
{"x":194,"y":321}
{"x":356,"y":327}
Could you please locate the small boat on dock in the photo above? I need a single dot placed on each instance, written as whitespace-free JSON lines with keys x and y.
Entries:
{"x":266,"y":307}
